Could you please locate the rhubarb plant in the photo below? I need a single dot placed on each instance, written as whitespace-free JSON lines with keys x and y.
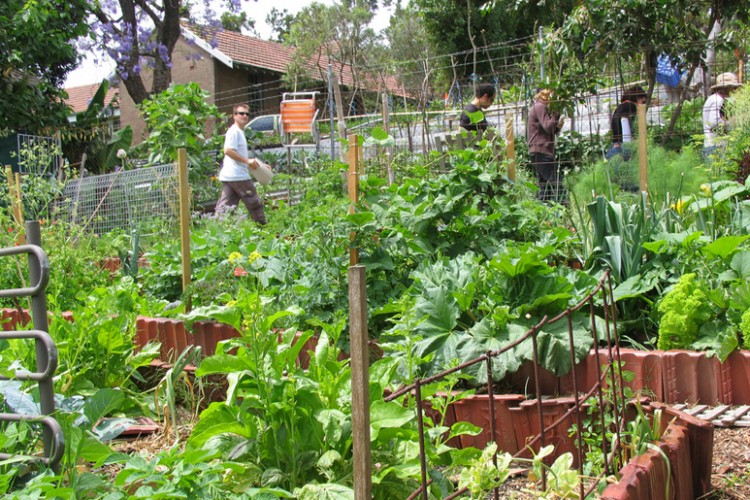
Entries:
{"x":460,"y":308}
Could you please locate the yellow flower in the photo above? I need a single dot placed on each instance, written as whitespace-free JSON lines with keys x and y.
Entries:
{"x":706,"y":188}
{"x":678,"y":207}
{"x":214,"y":178}
{"x":234,"y":257}
{"x":253,"y":257}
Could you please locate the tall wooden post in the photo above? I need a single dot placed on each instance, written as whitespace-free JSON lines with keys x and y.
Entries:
{"x":360,"y":383}
{"x":510,"y":147}
{"x":642,"y":149}
{"x":184,"y":194}
{"x":388,"y":152}
{"x":353,"y":184}
{"x":339,"y":111}
{"x":16,"y":202}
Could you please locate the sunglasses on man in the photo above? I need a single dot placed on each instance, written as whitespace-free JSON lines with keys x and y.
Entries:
{"x":242,"y":113}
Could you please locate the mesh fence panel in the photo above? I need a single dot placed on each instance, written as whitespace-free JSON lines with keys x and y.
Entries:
{"x":38,"y":155}
{"x":122,"y":200}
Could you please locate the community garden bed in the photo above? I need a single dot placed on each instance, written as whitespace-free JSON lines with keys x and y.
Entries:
{"x":457,"y":266}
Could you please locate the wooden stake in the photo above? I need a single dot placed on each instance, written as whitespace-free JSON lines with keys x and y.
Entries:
{"x":510,"y":147}
{"x":16,"y":202}
{"x":387,"y":128}
{"x":642,"y":149}
{"x":353,"y":183}
{"x":360,"y":383}
{"x":183,"y":188}
{"x":339,"y":111}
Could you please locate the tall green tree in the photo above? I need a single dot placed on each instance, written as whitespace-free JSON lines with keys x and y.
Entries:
{"x":36,"y":53}
{"x":281,"y":22}
{"x":485,"y":35}
{"x":637,"y":32}
{"x":339,"y":33}
{"x":634,"y":29}
{"x":411,"y":47}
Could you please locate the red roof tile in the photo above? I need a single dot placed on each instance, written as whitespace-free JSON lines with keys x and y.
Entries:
{"x":80,"y":97}
{"x":274,"y":56}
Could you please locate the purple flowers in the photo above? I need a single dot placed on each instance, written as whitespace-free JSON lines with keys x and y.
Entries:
{"x":135,"y":37}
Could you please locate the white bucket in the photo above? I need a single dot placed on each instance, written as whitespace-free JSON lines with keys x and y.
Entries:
{"x":263,"y":173}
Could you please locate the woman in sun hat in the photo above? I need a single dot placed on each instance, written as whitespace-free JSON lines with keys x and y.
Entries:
{"x":714,"y":120}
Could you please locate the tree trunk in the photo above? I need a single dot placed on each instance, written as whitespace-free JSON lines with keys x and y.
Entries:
{"x":678,"y":108}
{"x":167,"y":33}
{"x":474,"y":79}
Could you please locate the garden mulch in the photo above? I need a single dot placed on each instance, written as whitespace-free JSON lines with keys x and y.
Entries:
{"x":730,"y":475}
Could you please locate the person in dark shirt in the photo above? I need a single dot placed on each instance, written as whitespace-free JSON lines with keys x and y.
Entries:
{"x":543,"y":125}
{"x":621,"y":120}
{"x":484,"y":95}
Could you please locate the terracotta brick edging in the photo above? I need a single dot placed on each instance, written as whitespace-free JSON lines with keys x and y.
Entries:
{"x":677,"y":376}
{"x":687,"y":444}
{"x":669,"y":376}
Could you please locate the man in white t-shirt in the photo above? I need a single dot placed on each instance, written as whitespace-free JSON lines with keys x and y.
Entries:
{"x":234,"y":173}
{"x":714,"y":120}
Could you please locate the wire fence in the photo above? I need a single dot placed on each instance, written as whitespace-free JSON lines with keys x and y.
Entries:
{"x":39,"y":155}
{"x":127,"y":199}
{"x":604,"y":386}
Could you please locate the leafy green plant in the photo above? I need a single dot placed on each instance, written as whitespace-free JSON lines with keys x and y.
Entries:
{"x":684,"y":309}
{"x":688,"y":128}
{"x":263,"y":420}
{"x":598,"y":423}
{"x":85,"y":434}
{"x":483,"y":474}
{"x":670,"y":176}
{"x":180,"y":117}
{"x":720,"y":209}
{"x":129,"y":258}
{"x":461,"y":308}
{"x":96,"y":350}
{"x":42,"y":184}
{"x":292,"y":428}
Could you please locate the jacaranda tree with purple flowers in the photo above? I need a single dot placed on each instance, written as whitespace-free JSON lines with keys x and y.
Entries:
{"x":139,"y":34}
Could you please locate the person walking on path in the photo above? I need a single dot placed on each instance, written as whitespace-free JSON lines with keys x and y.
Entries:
{"x":714,"y":118}
{"x":484,"y":95}
{"x":234,"y":174}
{"x":543,"y":126}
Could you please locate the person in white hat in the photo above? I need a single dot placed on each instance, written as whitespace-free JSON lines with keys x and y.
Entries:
{"x":714,"y":120}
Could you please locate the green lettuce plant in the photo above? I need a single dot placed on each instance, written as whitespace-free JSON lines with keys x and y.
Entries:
{"x":684,"y":309}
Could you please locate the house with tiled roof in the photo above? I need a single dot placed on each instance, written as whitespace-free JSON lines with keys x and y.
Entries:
{"x":236,"y":68}
{"x":80,"y":97}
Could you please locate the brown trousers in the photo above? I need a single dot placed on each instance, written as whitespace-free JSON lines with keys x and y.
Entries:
{"x":234,"y":191}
